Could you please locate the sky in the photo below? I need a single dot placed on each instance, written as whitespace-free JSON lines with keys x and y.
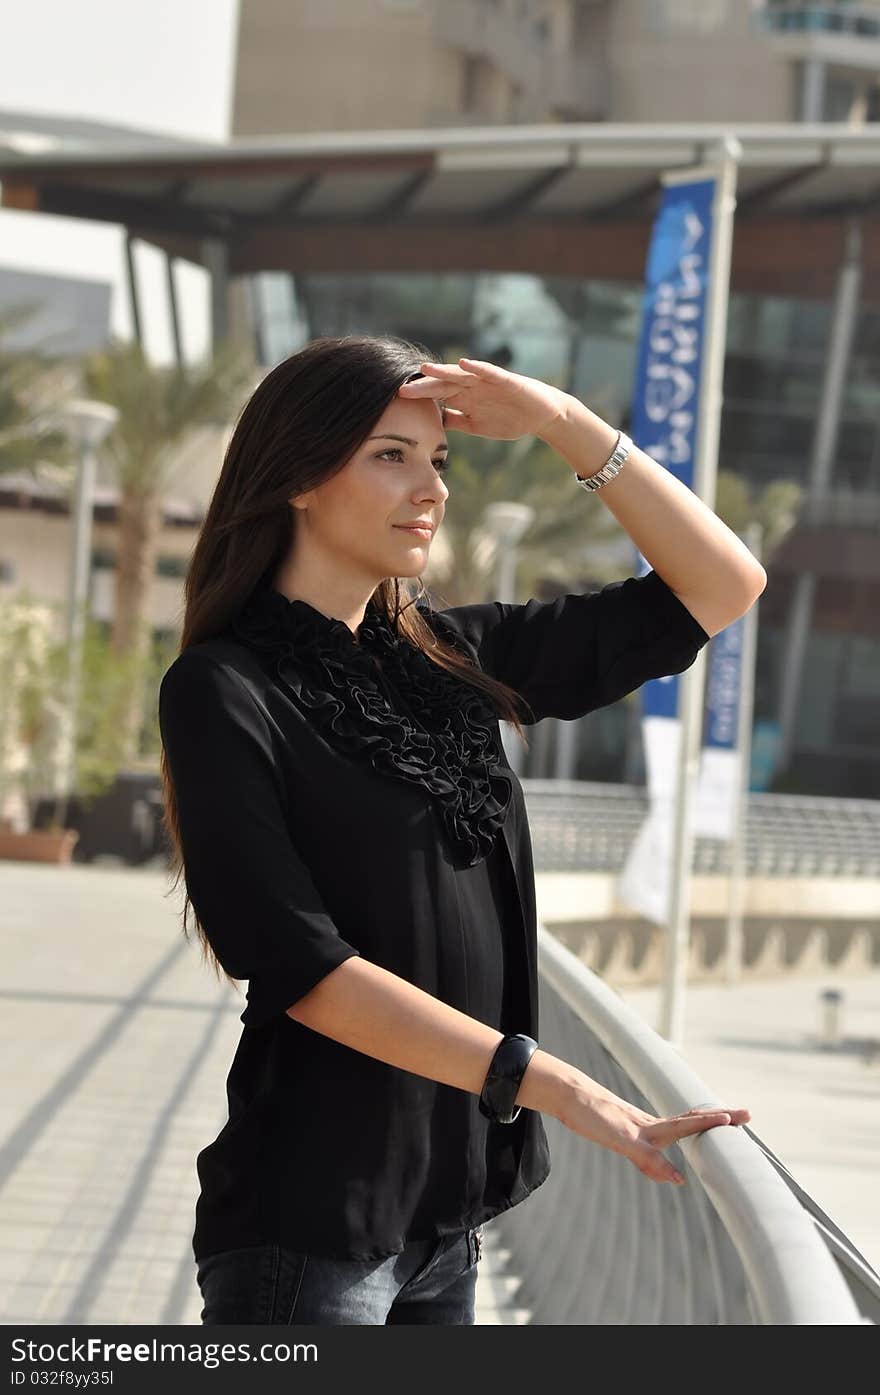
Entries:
{"x":165,"y":65}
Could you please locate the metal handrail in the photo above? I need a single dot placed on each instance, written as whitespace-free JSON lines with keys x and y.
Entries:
{"x":741,"y":1246}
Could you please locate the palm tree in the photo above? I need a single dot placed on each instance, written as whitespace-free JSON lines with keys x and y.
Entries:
{"x":27,"y":439}
{"x":159,"y":406}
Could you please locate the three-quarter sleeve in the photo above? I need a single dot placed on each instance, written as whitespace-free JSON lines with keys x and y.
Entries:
{"x":251,"y":890}
{"x":579,"y":652}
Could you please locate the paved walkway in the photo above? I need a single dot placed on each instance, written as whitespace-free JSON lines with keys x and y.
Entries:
{"x":116,"y":1041}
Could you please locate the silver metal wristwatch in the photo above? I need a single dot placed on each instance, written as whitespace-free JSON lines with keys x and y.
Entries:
{"x":612,"y":467}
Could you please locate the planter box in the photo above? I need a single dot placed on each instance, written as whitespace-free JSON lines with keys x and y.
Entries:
{"x":123,"y":822}
{"x":38,"y":845}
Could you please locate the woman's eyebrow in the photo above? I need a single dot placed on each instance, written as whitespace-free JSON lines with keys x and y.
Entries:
{"x":389,"y":436}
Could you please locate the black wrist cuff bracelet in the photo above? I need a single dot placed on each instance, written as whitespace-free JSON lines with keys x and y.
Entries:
{"x":504,"y":1076}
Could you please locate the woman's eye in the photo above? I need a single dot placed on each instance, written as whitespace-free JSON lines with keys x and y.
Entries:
{"x":440,"y":464}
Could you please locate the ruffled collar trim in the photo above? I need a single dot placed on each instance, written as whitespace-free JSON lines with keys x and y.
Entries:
{"x":377,"y":697}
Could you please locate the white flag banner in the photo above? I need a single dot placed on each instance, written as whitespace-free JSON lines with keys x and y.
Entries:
{"x":661,"y":737}
{"x":645,"y":883}
{"x":716,"y":792}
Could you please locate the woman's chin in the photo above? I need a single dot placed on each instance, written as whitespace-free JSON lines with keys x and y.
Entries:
{"x":409,"y":557}
{"x":411,"y":565}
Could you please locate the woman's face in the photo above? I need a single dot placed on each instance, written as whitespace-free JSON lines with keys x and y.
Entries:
{"x":354,"y":518}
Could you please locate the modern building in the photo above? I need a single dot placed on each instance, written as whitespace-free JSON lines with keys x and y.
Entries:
{"x":481,"y":176}
{"x":71,"y":316}
{"x":411,"y":64}
{"x":402,"y":64}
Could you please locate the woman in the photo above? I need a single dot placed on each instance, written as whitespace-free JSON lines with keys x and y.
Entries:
{"x":355,"y":843}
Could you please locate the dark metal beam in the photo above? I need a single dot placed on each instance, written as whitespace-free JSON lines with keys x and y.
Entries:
{"x":156,"y":214}
{"x":638,"y":202}
{"x":762,"y":197}
{"x":172,"y":309}
{"x":291,"y":199}
{"x":525,"y":198}
{"x":133,"y":294}
{"x":402,"y":198}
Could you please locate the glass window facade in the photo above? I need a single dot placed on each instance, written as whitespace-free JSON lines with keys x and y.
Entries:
{"x":583,"y":336}
{"x":808,"y":16}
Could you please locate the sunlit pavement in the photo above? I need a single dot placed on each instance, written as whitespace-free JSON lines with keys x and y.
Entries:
{"x":117,"y":1041}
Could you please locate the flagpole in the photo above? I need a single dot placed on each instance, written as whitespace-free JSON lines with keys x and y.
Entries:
{"x":725,"y":166}
{"x":733,"y":946}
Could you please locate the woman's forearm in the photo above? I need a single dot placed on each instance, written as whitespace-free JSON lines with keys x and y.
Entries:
{"x":694,"y":552}
{"x":372,"y":1010}
{"x":375,"y":1011}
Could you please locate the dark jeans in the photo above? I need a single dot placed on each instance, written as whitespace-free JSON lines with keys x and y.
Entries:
{"x":429,"y":1281}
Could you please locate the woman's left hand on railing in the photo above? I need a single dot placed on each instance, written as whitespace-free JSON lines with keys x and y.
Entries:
{"x":604,"y":1118}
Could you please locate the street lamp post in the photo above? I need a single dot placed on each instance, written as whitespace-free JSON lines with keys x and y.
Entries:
{"x":507,"y":521}
{"x":87,"y":423}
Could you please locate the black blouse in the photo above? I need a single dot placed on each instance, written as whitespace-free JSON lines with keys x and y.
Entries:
{"x":340,"y":796}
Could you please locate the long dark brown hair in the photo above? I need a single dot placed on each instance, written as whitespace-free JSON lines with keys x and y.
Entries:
{"x":298,"y":428}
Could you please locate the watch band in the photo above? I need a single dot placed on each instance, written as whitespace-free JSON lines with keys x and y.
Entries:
{"x":612,"y":467}
{"x":504,"y":1077}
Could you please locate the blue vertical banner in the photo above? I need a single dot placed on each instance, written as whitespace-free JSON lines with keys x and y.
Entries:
{"x":668,"y":371}
{"x":664,"y":424}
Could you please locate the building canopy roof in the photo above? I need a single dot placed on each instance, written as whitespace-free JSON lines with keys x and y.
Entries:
{"x":566,"y":199}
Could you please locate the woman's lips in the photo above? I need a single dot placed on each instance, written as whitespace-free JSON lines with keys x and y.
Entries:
{"x":416,"y":532}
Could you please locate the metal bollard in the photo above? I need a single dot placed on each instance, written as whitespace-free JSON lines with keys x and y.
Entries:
{"x":831,"y":1000}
